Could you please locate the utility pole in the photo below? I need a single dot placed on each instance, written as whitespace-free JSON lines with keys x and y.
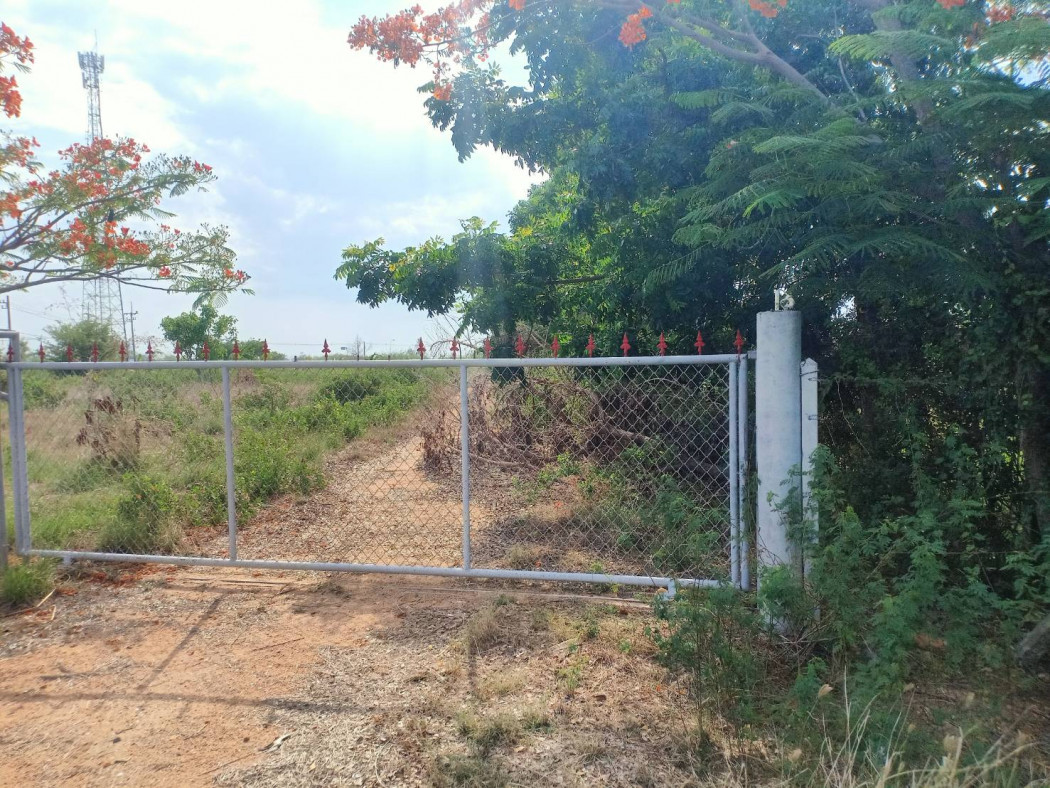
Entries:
{"x":130,"y":317}
{"x":7,"y":307}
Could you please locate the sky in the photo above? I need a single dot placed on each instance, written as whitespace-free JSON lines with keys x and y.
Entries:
{"x":315,"y":147}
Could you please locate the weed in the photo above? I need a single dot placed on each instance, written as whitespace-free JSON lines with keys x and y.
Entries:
{"x":114,"y":438}
{"x":570,"y":676}
{"x":487,"y":733}
{"x":524,"y":556}
{"x":499,"y":624}
{"x":146,"y":519}
{"x":468,"y":771}
{"x":24,"y":583}
{"x":500,"y":684}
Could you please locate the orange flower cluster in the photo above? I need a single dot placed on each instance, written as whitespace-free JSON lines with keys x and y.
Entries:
{"x":443,"y":91}
{"x":949,"y":4}
{"x":21,"y":50}
{"x":767,"y":9}
{"x":1001,"y":13}
{"x":517,"y":5}
{"x":633,"y":31}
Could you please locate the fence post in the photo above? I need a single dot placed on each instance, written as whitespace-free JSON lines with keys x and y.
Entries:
{"x":464,"y":456}
{"x":734,"y":478}
{"x":231,"y":490}
{"x":743,"y":557}
{"x":778,"y":442}
{"x":19,"y":474}
{"x":809,"y":445}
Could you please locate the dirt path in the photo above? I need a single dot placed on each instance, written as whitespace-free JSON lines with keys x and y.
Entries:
{"x":187,"y":678}
{"x":195,"y":676}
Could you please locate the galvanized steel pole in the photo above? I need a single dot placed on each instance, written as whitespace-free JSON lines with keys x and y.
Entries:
{"x":231,"y":490}
{"x":742,"y":457}
{"x":734,"y":482}
{"x":464,"y":453}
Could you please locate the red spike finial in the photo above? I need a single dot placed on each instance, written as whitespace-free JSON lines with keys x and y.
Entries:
{"x":236,"y":350}
{"x":326,"y":350}
{"x":699,"y":344}
{"x":625,"y":345}
{"x":519,"y":346}
{"x":662,"y":344}
{"x":590,"y":345}
{"x":488,"y":348}
{"x":123,"y":351}
{"x":94,"y":352}
{"x":555,"y":346}
{"x":266,"y":351}
{"x":149,"y":350}
{"x":207,"y":351}
{"x":421,"y":348}
{"x":69,"y":352}
{"x":10,"y":352}
{"x":455,"y":347}
{"x":739,"y":342}
{"x":178,"y":351}
{"x":41,"y":353}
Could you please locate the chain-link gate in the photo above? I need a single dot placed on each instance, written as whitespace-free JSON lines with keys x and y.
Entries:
{"x":608,"y":470}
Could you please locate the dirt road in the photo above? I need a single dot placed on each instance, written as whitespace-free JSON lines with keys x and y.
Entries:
{"x":200,"y":676}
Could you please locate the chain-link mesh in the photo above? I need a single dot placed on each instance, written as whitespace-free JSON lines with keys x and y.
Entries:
{"x":125,"y":461}
{"x":359,"y":492}
{"x":618,"y":469}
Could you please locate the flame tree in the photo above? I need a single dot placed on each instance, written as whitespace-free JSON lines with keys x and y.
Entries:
{"x":99,"y":213}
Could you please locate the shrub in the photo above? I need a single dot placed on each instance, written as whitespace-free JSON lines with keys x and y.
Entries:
{"x":146,"y":519}
{"x":112,"y":435}
{"x":44,"y":390}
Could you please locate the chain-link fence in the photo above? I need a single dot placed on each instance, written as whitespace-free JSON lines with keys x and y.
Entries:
{"x":608,"y":468}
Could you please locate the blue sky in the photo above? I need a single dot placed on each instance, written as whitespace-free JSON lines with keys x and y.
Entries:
{"x":315,"y":147}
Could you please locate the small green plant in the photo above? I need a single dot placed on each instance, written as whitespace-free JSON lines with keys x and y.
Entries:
{"x":487,"y":733}
{"x":468,"y":771}
{"x":146,"y":517}
{"x":570,"y":676}
{"x":710,"y":636}
{"x":25,"y":583}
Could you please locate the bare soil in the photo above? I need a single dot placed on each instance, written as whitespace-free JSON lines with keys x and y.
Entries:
{"x":165,"y":676}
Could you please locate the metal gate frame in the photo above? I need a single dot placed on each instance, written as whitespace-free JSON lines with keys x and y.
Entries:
{"x":737,"y":470}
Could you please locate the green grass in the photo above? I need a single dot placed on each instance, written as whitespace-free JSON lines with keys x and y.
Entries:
{"x":23,"y":584}
{"x":68,"y":522}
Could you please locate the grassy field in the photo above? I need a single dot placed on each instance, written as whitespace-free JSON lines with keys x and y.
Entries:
{"x":132,"y":461}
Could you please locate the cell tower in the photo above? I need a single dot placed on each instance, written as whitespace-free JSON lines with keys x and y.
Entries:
{"x":103,"y":298}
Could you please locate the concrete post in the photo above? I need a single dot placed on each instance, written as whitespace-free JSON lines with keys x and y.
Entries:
{"x":778,"y":419}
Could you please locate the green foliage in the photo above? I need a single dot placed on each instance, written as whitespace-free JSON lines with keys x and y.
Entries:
{"x":43,"y":392}
{"x":25,"y":583}
{"x":192,"y":329}
{"x":712,"y":636}
{"x":147,"y":515}
{"x":83,"y":336}
{"x":252,"y":350}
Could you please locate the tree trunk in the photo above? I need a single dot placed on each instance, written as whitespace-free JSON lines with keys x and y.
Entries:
{"x":1035,"y":441}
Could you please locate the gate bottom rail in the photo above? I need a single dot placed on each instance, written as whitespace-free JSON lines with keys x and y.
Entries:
{"x":390,"y":569}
